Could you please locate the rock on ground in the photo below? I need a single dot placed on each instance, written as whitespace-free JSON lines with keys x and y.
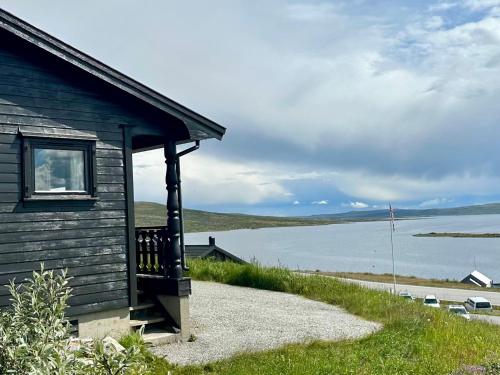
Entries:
{"x":227,"y":320}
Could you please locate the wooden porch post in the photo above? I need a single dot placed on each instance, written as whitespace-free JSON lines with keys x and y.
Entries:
{"x":174,"y":267}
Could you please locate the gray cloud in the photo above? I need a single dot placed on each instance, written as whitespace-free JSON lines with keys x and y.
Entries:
{"x":336,"y":89}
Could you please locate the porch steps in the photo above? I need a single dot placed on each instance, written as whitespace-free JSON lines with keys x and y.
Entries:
{"x":142,"y":306}
{"x":158,"y":336}
{"x":145,"y":322}
{"x":158,"y":326}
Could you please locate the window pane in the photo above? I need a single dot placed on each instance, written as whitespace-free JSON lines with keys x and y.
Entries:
{"x":59,"y":170}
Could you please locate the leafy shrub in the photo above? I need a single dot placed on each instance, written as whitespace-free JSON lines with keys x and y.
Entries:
{"x":34,"y":334}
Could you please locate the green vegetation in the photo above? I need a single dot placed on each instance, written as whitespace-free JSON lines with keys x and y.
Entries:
{"x":458,"y":235}
{"x":152,"y":365}
{"x":405,"y":280}
{"x":34,"y":335}
{"x":154,"y":214}
{"x":415,"y":339}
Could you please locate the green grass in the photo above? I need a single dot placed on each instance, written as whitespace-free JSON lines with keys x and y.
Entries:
{"x":154,"y":214}
{"x":414,"y":340}
{"x":404,"y":280}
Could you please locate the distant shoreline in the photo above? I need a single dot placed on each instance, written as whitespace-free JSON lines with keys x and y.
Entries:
{"x":403,"y":280}
{"x":154,"y":214}
{"x":458,"y":235}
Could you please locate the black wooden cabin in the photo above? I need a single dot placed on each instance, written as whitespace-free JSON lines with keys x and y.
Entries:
{"x":68,"y":128}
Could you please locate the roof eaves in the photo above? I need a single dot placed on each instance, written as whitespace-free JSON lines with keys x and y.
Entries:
{"x":228,"y":254}
{"x":104,"y":72}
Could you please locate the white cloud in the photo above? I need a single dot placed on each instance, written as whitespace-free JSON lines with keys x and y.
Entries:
{"x":481,"y":4}
{"x":206,"y":181}
{"x":312,"y":11}
{"x":296,"y":202}
{"x":443,"y":6}
{"x":321,"y":202}
{"x":406,"y":107}
{"x":400,"y":107}
{"x":401,"y":188}
{"x":435,"y":22}
{"x":358,"y":205}
{"x":435,"y":202}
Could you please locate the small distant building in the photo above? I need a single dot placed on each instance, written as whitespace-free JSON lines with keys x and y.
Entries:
{"x":477,"y":278}
{"x":211,"y":251}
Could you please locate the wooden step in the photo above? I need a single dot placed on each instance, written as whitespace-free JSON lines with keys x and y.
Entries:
{"x":144,"y":322}
{"x":158,"y":336}
{"x":142,"y":306}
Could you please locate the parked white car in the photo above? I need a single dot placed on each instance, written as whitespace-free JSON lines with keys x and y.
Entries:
{"x":478,"y":304}
{"x":432,"y":301}
{"x":407,"y":296}
{"x":459,"y":310}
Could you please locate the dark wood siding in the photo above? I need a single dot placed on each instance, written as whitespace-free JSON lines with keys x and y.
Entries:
{"x":88,"y":238}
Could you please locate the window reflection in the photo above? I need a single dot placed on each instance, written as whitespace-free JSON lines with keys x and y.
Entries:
{"x":59,"y":170}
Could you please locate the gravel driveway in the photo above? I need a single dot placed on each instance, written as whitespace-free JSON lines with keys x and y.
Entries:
{"x":228,"y":320}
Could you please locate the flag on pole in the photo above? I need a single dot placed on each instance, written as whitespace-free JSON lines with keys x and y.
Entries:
{"x":391,"y":216}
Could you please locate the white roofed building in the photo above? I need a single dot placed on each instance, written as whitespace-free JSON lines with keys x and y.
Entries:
{"x":477,"y":278}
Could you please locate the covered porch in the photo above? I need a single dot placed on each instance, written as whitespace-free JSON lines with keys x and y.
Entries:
{"x":159,"y":291}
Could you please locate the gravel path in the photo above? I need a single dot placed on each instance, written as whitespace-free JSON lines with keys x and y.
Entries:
{"x":229,"y":319}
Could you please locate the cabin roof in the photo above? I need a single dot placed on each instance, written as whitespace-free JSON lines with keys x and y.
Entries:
{"x":478,"y":278}
{"x":481,"y":277}
{"x":199,"y":126}
{"x":202,"y":251}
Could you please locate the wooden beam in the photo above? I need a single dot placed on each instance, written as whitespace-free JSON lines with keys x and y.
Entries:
{"x":130,"y":213}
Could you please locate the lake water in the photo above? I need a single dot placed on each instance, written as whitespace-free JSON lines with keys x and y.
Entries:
{"x":365,"y":247}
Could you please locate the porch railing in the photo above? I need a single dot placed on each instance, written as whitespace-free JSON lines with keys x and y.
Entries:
{"x":151,"y":245}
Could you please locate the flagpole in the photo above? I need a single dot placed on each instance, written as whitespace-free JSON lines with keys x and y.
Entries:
{"x":391,"y":227}
{"x":393,"y":267}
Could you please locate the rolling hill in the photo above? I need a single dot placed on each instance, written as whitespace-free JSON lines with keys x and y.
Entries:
{"x":154,"y":214}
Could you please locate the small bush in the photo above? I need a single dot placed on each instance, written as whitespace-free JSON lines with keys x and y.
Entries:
{"x":34,"y":335}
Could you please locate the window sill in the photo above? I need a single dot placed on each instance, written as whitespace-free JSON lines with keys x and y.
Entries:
{"x":62,"y":197}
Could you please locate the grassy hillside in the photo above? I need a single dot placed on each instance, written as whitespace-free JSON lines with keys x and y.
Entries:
{"x":154,"y":214}
{"x":415,"y":339}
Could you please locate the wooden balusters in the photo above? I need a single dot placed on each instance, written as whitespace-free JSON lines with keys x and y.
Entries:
{"x":151,"y":245}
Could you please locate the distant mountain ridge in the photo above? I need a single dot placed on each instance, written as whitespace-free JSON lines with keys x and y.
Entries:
{"x":483,"y":209}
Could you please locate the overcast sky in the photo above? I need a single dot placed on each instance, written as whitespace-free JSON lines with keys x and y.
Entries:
{"x":330,"y":105}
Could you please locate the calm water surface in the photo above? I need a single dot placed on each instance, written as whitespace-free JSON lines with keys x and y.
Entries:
{"x":365,"y":247}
